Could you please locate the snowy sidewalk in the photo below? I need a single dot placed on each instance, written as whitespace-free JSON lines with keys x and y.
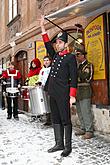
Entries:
{"x":25,"y":143}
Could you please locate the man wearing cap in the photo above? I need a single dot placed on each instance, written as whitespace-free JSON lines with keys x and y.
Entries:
{"x":62,"y":86}
{"x":83,"y":103}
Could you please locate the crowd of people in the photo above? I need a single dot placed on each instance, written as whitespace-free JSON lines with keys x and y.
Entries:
{"x":66,"y":80}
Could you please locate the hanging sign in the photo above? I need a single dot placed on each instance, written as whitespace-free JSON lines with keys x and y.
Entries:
{"x":94,"y":44}
{"x":40,"y":50}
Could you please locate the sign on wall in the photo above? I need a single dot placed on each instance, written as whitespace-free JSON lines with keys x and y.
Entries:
{"x":40,"y":50}
{"x":94,"y":44}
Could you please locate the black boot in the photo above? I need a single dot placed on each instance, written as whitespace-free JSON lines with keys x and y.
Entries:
{"x":9,"y":116}
{"x":68,"y":134}
{"x":59,"y":134}
{"x":48,"y":120}
{"x":16,"y":117}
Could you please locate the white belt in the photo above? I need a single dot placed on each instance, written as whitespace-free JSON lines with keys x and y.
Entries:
{"x":12,"y":90}
{"x":84,"y":84}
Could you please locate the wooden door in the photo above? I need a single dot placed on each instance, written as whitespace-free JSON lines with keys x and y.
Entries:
{"x":22,"y":65}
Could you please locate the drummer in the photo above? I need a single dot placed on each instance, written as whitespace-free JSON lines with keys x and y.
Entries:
{"x":16,"y":84}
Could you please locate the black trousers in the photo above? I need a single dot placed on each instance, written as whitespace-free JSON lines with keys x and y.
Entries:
{"x":3,"y":97}
{"x":13,"y":110}
{"x":3,"y":101}
{"x":60,"y":110}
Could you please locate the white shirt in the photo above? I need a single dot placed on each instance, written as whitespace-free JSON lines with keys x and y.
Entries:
{"x":43,"y":75}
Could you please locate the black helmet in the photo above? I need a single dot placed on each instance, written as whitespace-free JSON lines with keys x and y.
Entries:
{"x":62,"y":36}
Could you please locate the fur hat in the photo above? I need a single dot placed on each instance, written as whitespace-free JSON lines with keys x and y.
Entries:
{"x":83,"y":52}
{"x":62,"y":36}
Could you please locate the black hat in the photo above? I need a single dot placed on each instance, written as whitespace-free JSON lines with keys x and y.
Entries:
{"x":83,"y":52}
{"x":62,"y":36}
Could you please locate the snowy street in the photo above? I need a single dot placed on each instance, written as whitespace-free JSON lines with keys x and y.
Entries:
{"x":26,"y":143}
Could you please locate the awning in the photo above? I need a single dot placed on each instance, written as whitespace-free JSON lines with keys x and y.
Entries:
{"x":81,"y":8}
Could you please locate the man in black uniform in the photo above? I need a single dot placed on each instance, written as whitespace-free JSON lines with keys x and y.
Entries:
{"x":62,"y":84}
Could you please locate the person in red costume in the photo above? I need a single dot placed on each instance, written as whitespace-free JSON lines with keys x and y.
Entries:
{"x":16,"y":84}
{"x":35,"y":67}
{"x":62,"y":87}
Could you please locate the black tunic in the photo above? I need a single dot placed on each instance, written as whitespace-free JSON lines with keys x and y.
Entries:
{"x":63,"y":74}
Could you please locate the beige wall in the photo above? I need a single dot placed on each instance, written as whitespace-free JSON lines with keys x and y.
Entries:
{"x":3,"y":22}
{"x":27,"y":24}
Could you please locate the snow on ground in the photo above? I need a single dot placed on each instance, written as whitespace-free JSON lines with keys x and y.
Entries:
{"x":26,"y":143}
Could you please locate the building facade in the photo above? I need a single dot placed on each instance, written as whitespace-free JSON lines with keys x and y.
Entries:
{"x":20,"y":29}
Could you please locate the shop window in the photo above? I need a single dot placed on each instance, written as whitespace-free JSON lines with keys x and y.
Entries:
{"x":22,"y":55}
{"x":75,"y":43}
{"x":13,"y":9}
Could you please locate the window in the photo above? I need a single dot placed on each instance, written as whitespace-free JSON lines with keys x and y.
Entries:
{"x":13,"y":9}
{"x":22,"y":55}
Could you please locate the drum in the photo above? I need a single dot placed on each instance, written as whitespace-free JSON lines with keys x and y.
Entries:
{"x":38,"y":101}
{"x":12,"y":92}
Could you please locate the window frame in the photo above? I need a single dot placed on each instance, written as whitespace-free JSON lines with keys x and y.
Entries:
{"x":12,"y":9}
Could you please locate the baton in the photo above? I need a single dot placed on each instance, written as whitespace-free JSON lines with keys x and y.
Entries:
{"x":63,"y":30}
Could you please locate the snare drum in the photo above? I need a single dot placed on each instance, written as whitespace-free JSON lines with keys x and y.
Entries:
{"x":38,"y":101}
{"x":12,"y":92}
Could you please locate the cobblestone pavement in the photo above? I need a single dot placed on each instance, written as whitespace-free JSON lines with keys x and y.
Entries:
{"x":25,"y":143}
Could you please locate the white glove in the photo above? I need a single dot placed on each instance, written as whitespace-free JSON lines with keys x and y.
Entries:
{"x":72,"y":100}
{"x":3,"y":93}
{"x":4,"y":83}
{"x":19,"y":85}
{"x":26,"y":83}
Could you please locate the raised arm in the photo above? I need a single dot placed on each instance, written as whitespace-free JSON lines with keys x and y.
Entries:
{"x":42,"y":24}
{"x":48,"y":44}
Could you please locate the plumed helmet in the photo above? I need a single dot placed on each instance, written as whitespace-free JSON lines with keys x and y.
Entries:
{"x":62,"y":36}
{"x":37,"y":62}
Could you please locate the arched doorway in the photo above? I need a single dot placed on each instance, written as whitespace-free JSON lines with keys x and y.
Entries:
{"x":22,"y":64}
